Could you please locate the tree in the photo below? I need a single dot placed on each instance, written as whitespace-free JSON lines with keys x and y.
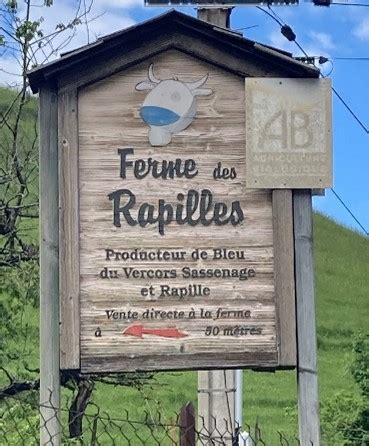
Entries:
{"x":346,"y":416}
{"x":23,"y":35}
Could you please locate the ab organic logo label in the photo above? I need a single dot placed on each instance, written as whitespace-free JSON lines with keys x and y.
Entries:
{"x":170,"y":106}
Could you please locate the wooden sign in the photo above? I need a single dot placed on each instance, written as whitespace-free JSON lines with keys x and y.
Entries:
{"x":289,"y":132}
{"x":179,"y":265}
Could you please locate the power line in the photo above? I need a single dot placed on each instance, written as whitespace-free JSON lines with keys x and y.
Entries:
{"x":323,"y":59}
{"x":270,"y":15}
{"x":246,"y":27}
{"x":349,"y":109}
{"x":350,"y":58}
{"x":349,"y":211}
{"x":288,"y":32}
{"x":327,"y":3}
{"x":350,"y":4}
{"x":291,"y":36}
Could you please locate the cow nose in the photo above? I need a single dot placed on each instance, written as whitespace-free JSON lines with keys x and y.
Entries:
{"x":158,"y":116}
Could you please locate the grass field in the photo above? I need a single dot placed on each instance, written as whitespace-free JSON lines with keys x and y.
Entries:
{"x":342,"y":290}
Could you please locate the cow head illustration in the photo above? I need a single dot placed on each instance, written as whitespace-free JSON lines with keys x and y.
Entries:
{"x":170,"y":106}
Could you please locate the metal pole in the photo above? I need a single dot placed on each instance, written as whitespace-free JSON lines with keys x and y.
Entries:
{"x":49,"y":270}
{"x":238,"y":398}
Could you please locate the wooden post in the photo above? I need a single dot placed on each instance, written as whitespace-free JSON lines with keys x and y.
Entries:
{"x":216,"y":16}
{"x":216,"y":388}
{"x":307,"y":378}
{"x":49,"y":270}
{"x":187,"y":422}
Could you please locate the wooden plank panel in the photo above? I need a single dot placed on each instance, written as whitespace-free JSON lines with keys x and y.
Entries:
{"x":118,"y":290}
{"x":284,"y":276}
{"x":69,"y":231}
{"x":251,"y":359}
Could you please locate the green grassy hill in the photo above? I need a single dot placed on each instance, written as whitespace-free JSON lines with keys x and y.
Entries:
{"x":342,"y":290}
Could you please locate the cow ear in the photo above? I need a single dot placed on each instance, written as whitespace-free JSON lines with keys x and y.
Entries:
{"x":144,"y":85}
{"x":202,"y":92}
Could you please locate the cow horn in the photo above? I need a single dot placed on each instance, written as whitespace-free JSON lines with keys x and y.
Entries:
{"x":193,"y":85}
{"x":152,"y":77}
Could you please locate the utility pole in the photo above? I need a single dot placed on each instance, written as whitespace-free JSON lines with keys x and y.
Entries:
{"x":216,"y":16}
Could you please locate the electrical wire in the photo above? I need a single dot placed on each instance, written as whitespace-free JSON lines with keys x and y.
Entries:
{"x":340,"y":98}
{"x":349,"y":109}
{"x":350,"y":4}
{"x":357,"y":119}
{"x":339,"y":58}
{"x":332,"y":67}
{"x":351,"y":58}
{"x":349,"y":211}
{"x":247,"y":27}
{"x":270,"y":15}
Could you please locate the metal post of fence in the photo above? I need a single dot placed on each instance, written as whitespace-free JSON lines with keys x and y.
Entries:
{"x":238,"y":398}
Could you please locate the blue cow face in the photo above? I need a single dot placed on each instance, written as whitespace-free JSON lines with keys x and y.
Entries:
{"x":170,"y":106}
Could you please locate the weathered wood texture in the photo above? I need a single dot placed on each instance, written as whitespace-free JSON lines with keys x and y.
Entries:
{"x":284,"y":276}
{"x":308,"y":398}
{"x":109,"y":119}
{"x":69,"y":231}
{"x":49,"y":269}
{"x":216,"y":404}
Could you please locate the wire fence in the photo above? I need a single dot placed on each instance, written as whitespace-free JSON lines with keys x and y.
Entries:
{"x":22,"y":418}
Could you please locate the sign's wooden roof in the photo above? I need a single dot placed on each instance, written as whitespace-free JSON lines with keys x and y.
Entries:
{"x":172,"y":30}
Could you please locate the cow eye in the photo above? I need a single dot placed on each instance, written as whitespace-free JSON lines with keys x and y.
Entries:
{"x":175,"y":96}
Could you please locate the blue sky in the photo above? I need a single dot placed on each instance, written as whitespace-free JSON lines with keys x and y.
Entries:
{"x":338,"y":31}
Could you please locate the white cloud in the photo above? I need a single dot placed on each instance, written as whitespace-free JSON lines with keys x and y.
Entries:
{"x":324,"y":39}
{"x":108,"y":23}
{"x":277,"y":40}
{"x":123,"y":4}
{"x":362,"y":29}
{"x":10,"y":71}
{"x":104,"y":18}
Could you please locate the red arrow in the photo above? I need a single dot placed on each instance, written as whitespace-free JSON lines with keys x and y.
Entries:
{"x":138,"y":330}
